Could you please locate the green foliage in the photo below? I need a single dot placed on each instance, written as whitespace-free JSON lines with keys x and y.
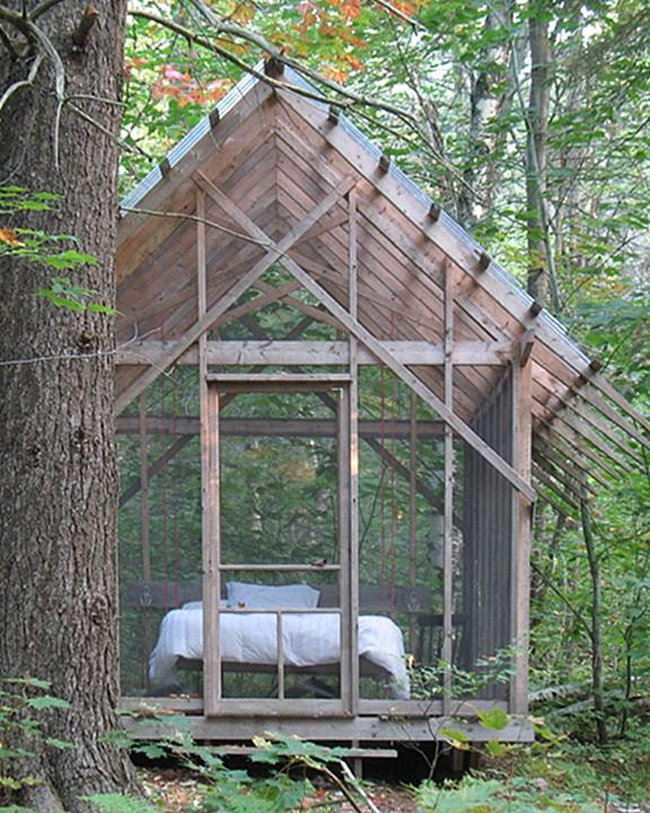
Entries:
{"x":19,"y":199}
{"x":36,"y":246}
{"x":19,"y":728}
{"x":65,"y":294}
{"x":488,"y":671}
{"x":237,"y":790}
{"x":476,"y":794}
{"x":119,"y":803}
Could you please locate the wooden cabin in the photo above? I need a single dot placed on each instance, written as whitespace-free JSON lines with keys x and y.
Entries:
{"x":335,"y":415}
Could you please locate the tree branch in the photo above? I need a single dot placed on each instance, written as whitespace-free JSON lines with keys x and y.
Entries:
{"x":9,"y":92}
{"x":197,"y":219}
{"x":349,"y":100}
{"x":23,"y":25}
{"x":8,"y":44}
{"x":404,"y":17}
{"x":46,"y":5}
{"x":349,"y":97}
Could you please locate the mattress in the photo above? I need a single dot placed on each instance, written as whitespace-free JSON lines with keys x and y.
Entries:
{"x":309,"y":639}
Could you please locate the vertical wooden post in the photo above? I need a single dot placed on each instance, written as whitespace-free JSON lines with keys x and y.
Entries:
{"x":212,"y":688}
{"x":209,"y":421}
{"x":144,"y":523}
{"x":521,"y":530}
{"x":144,"y":488}
{"x":412,"y":512}
{"x":353,"y":465}
{"x":448,"y":517}
{"x":347,"y":570}
{"x":279,"y":632}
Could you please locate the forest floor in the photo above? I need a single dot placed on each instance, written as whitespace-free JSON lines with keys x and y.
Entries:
{"x":177,"y":790}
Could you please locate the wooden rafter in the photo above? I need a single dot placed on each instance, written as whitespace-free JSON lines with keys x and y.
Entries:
{"x":274,"y":252}
{"x":376,"y":347}
{"x":457,"y":251}
{"x":282,"y":352}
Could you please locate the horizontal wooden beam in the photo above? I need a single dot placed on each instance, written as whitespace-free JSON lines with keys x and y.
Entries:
{"x":274,"y":427}
{"x":456,"y":423}
{"x":300,"y":353}
{"x":274,"y":253}
{"x":394,"y":724}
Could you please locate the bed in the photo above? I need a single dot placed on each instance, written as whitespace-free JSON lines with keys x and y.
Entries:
{"x":249,"y":638}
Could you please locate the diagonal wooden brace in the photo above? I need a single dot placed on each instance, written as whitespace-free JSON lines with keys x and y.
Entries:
{"x":387,"y":357}
{"x":274,"y":252}
{"x":384,"y":355}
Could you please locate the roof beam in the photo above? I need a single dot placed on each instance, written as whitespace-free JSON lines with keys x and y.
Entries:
{"x":151,"y":351}
{"x":274,"y":427}
{"x":274,"y":253}
{"x":462,"y":254}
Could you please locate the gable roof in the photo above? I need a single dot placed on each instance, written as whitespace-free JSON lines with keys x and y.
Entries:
{"x":275,"y":154}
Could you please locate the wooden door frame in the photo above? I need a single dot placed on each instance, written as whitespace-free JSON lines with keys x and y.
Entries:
{"x":214,"y":702}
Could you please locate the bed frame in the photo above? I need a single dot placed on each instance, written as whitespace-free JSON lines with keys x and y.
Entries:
{"x":149,"y":595}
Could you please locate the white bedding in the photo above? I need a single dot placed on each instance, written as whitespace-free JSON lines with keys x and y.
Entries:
{"x":251,"y":638}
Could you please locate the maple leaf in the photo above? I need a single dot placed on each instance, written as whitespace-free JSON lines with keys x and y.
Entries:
{"x":337,"y":74}
{"x":355,"y":63}
{"x":9,"y":237}
{"x":406,"y":8}
{"x":351,"y":9}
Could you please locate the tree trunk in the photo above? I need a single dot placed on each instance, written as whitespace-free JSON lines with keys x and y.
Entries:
{"x":58,"y":603}
{"x":596,"y":617}
{"x":540,"y":57}
{"x":487,"y":96}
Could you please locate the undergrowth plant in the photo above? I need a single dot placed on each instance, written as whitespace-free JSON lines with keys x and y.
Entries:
{"x":58,"y":252}
{"x":238,"y":790}
{"x":22,"y":703}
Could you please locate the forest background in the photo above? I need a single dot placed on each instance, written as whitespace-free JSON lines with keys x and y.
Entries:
{"x":528,"y":122}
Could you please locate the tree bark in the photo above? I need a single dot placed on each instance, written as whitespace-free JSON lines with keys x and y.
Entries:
{"x":537,"y":153}
{"x":596,"y":617}
{"x":487,"y":96}
{"x":58,"y":481}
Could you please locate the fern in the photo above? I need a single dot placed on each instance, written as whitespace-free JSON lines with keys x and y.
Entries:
{"x":119,"y":803}
{"x":243,"y":803}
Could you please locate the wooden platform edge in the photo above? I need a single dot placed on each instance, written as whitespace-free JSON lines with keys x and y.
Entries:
{"x":376,"y":729}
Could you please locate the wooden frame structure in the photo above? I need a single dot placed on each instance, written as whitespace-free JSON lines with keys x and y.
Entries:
{"x":274,"y":179}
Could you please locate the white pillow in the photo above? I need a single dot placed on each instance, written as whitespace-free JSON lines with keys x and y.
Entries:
{"x":198,"y":605}
{"x":241,"y":594}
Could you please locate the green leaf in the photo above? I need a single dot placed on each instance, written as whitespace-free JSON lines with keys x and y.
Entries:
{"x":60,"y":301}
{"x":61,"y":745}
{"x":10,"y":782}
{"x":495,"y":748}
{"x":151,"y":750}
{"x":9,"y":753}
{"x":495,"y":719}
{"x":96,"y":307}
{"x":47,"y":701}
{"x":69,"y":259}
{"x":35,"y":683}
{"x":453,"y":733}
